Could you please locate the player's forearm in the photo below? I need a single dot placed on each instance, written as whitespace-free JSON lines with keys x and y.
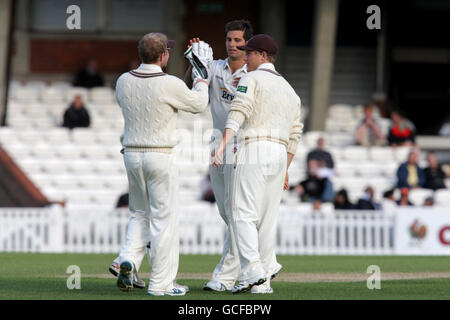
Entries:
{"x":227,"y":136}
{"x":290,"y":156}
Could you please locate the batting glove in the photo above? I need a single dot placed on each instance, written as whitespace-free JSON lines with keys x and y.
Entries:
{"x":200,"y":56}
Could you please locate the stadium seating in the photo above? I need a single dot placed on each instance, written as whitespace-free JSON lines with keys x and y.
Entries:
{"x":84,"y":166}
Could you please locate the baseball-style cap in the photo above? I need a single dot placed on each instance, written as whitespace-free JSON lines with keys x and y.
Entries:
{"x":170,"y":44}
{"x":261,"y":42}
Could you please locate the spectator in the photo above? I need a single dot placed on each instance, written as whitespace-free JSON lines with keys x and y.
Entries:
{"x":315,"y":187}
{"x":321,"y":155}
{"x":429,"y":202}
{"x":445,"y":128}
{"x":368,"y":132}
{"x":402,"y":131}
{"x":123,"y":201}
{"x":389,"y":204}
{"x":207,"y":191}
{"x":409,"y":174}
{"x":317,"y":206}
{"x":88,"y":77}
{"x":367,"y":202}
{"x":76,"y":115}
{"x":341,"y":201}
{"x":434,"y":175}
{"x":404,"y":200}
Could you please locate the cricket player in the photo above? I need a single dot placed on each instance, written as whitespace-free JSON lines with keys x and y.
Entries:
{"x":268,"y":140}
{"x":150,"y":101}
{"x":225,"y":74}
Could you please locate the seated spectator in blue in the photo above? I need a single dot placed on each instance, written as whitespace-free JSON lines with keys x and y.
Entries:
{"x":76,"y":115}
{"x":367,"y":202}
{"x":434,"y":175}
{"x":404,"y":199}
{"x":88,"y":77}
{"x":341,"y":201}
{"x":429,"y":202}
{"x":402,"y":131}
{"x":409,"y":174}
{"x":315,"y":187}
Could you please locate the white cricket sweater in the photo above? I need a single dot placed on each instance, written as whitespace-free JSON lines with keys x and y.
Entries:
{"x":269,"y":106}
{"x":150,"y":101}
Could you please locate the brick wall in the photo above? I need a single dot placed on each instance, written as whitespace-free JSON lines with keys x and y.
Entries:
{"x":67,"y":56}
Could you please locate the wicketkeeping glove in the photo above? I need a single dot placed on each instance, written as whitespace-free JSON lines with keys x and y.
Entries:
{"x":200,"y":56}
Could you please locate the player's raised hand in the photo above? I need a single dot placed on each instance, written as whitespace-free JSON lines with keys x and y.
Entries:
{"x":191,"y":41}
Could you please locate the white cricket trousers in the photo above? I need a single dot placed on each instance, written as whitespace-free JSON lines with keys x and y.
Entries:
{"x":153,"y":222}
{"x":228,"y":268}
{"x":255,"y":200}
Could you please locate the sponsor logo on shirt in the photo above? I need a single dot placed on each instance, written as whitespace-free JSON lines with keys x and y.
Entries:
{"x":227,"y":95}
{"x":242,"y":89}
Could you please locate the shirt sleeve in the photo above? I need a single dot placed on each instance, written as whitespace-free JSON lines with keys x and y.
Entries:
{"x":243,"y":103}
{"x":296,"y":131}
{"x":180,"y":97}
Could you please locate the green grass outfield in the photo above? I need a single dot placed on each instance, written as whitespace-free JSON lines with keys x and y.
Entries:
{"x":43,"y":276}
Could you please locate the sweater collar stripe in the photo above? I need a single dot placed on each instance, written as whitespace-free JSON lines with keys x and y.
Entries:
{"x":146,"y":75}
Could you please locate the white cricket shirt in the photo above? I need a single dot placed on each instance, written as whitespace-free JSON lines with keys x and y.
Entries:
{"x":222,"y":91}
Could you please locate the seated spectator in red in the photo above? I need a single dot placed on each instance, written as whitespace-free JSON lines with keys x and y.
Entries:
{"x":368,"y":132}
{"x":341,"y":201}
{"x":434,"y":175}
{"x":404,"y":200}
{"x":76,"y":115}
{"x":88,"y":77}
{"x":367,"y":202}
{"x":207,"y":191}
{"x":409,"y":174}
{"x":402,"y":131}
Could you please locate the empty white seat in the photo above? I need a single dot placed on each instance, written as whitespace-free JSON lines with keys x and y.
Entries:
{"x":355,"y":154}
{"x":25,"y":95}
{"x":340,"y":111}
{"x":345,"y":169}
{"x":52,"y":95}
{"x":418,"y":196}
{"x":369,"y":169}
{"x":69,"y":152}
{"x":341,"y":139}
{"x":101,"y":95}
{"x":381,"y":154}
{"x":108,"y":167}
{"x":57,"y":136}
{"x":401,"y":153}
{"x":61,"y":85}
{"x":442,"y":197}
{"x":78,"y":166}
{"x":55,"y":166}
{"x":36,"y":84}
